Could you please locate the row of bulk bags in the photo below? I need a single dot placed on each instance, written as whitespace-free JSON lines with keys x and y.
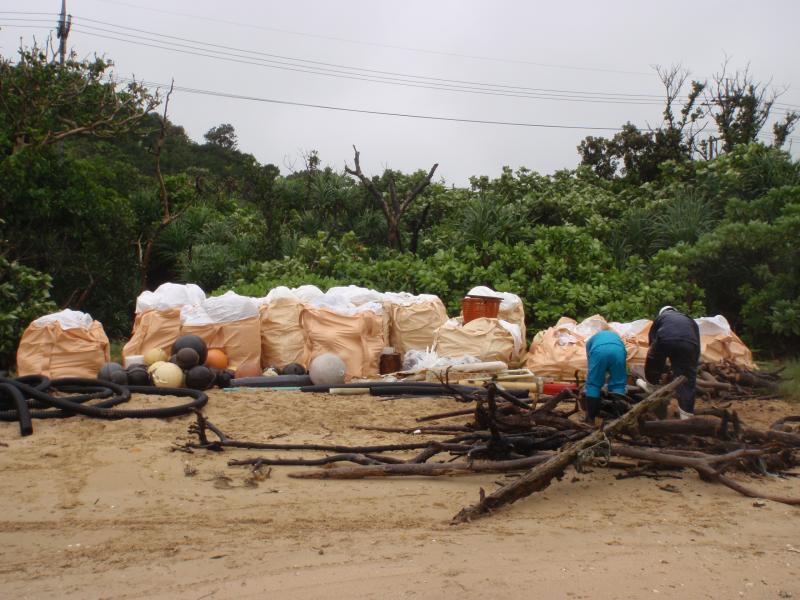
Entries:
{"x":560,"y":351}
{"x":229,"y":322}
{"x":68,"y":343}
{"x":158,"y":317}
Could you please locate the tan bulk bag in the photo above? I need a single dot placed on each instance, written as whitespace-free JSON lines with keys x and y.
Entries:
{"x":230,"y":322}
{"x":413,"y":320}
{"x":158,"y":317}
{"x":558,"y":351}
{"x":283,"y":340}
{"x":282,"y":337}
{"x":718,"y":342}
{"x":511,"y":308}
{"x":485,"y":339}
{"x":355,"y":335}
{"x":64,"y":344}
{"x":635,"y":337}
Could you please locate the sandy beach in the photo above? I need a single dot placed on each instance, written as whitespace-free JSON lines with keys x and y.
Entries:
{"x":108,"y":509}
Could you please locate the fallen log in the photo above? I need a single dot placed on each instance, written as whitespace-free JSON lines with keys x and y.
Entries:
{"x":424,"y":469}
{"x":710,"y":427}
{"x":540,"y":476}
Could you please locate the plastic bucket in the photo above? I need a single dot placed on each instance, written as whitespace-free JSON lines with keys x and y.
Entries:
{"x":475,"y":307}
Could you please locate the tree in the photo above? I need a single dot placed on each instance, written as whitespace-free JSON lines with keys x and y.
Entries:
{"x":223,"y":136}
{"x":740,"y":107}
{"x":43,"y":102}
{"x":394,"y":208}
{"x":639,"y":154}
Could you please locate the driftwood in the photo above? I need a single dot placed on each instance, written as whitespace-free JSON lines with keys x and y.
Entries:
{"x":508,"y":434}
{"x":703,"y":426}
{"x":224,"y":441}
{"x":540,"y":477}
{"x":708,"y":466}
{"x":428,"y":469}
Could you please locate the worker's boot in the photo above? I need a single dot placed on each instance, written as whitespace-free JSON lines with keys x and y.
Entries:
{"x":592,"y":409}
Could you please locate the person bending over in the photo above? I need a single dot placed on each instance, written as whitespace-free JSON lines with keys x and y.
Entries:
{"x":676,"y":337}
{"x":606,"y":356}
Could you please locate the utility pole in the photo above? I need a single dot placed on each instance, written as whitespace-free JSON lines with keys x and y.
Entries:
{"x":64,"y":25}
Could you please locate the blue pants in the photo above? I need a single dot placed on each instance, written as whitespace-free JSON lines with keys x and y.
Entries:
{"x":606,"y":359}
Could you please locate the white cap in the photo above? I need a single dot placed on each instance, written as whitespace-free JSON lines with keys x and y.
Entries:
{"x":665,"y":309}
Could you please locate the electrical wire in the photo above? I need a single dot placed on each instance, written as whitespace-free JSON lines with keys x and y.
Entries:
{"x":379,"y":45}
{"x":327,"y":107}
{"x":341,"y":75}
{"x":361,"y":73}
{"x":380,"y":72}
{"x":189,"y":90}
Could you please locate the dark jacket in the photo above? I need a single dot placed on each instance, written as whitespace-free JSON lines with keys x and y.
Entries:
{"x":671,"y":326}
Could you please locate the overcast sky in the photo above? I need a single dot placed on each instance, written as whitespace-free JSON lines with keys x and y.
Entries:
{"x":587,"y":50}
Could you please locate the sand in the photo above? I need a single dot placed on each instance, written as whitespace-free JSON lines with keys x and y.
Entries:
{"x":107,"y":509}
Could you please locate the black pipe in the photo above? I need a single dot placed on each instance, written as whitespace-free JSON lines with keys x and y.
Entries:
{"x":275,"y":381}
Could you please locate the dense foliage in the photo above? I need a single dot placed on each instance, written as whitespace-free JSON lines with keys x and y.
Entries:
{"x":642,"y":222}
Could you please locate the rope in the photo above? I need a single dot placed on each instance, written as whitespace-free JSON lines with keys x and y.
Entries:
{"x":599,"y":454}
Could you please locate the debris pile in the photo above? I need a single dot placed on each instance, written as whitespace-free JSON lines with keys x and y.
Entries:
{"x":507,"y":433}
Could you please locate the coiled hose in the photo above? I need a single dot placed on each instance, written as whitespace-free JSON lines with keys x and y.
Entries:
{"x":28,"y":398}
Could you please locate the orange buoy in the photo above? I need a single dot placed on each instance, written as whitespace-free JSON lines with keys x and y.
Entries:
{"x":217,"y":359}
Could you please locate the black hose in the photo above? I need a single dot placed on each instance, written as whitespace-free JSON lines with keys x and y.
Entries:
{"x":65,"y":406}
{"x":23,"y":412}
{"x":40,"y":382}
{"x":275,"y":381}
{"x":417,"y":388}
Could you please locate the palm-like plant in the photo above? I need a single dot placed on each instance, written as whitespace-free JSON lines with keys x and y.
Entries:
{"x":683,"y":218}
{"x":486,"y":220}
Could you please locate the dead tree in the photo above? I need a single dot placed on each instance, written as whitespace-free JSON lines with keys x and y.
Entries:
{"x":393,"y":208}
{"x":145,"y":246}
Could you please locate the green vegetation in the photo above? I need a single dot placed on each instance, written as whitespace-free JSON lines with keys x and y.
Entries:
{"x":790,"y":386}
{"x":104,"y":197}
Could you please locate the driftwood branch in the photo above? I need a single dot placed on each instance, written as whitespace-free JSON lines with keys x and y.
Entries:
{"x":428,"y":469}
{"x":709,"y":467}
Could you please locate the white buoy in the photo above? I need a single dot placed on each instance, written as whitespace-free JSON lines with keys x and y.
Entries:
{"x":326,"y":369}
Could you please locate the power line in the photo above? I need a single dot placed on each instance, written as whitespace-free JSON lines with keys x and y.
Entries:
{"x":336,"y":65}
{"x":378,"y":45}
{"x":92,"y":30}
{"x":361,"y":110}
{"x":236,"y":96}
{"x":343,"y":75}
{"x":429,"y":81}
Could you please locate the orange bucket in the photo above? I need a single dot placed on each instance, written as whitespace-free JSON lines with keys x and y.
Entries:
{"x":475,"y":307}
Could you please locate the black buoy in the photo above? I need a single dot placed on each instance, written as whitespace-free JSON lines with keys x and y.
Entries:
{"x":293,"y":369}
{"x":200,"y":378}
{"x":138,"y":375}
{"x":107,"y":371}
{"x":194,"y":342}
{"x":224,"y":378}
{"x":186,"y":358}
{"x":119,"y":377}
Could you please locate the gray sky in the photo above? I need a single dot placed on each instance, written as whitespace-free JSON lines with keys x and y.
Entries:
{"x":596,"y":48}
